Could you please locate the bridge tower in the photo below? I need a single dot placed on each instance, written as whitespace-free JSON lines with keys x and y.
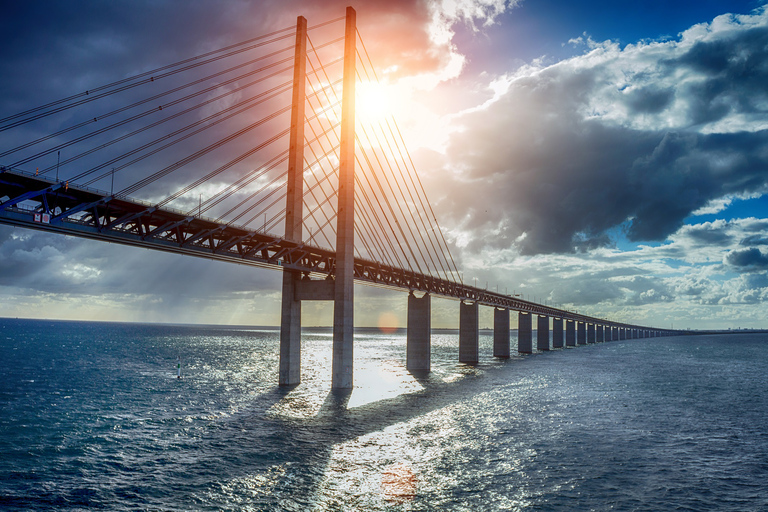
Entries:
{"x":340,"y":289}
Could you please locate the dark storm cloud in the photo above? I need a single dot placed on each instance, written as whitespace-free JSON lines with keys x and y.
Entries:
{"x":751,"y":259}
{"x":576,"y":149}
{"x":735,"y":72}
{"x":709,"y":235}
{"x":649,"y":100}
{"x":754,"y":240}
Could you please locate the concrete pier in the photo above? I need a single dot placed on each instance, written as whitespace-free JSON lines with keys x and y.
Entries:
{"x":542,"y":333}
{"x":524,"y":333}
{"x":501,"y":333}
{"x":591,"y":333}
{"x":570,"y":333}
{"x":600,"y":334}
{"x":418,"y":343}
{"x":581,"y":333}
{"x":469,"y":335}
{"x":558,"y":338}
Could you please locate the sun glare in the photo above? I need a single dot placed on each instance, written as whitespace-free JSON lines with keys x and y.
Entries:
{"x":373,"y":102}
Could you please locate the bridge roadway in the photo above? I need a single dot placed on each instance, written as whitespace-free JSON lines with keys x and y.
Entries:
{"x":40,"y":203}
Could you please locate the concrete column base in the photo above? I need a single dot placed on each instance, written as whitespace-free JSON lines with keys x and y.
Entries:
{"x":290,"y":333}
{"x":418,"y":345}
{"x":570,"y":333}
{"x":469,"y":334}
{"x":558,"y":338}
{"x":501,"y":333}
{"x":542,"y":333}
{"x":524,"y":333}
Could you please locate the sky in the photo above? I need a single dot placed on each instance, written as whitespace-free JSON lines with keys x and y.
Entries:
{"x":605,"y":157}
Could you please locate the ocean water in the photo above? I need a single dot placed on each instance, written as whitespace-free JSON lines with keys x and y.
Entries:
{"x":92,"y":416}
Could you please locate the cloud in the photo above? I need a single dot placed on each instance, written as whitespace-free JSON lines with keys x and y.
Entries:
{"x":751,"y":259}
{"x":635,"y":138}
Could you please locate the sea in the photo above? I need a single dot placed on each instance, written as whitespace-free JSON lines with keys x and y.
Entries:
{"x":93,"y":416}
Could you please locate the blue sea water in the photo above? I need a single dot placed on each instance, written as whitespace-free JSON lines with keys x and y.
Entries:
{"x":92,"y":416}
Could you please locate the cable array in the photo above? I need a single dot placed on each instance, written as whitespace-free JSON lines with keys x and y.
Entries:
{"x":208,"y":135}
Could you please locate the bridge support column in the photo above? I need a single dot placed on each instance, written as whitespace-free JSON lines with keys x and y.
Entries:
{"x":614,"y":333}
{"x":469,"y":334}
{"x":581,"y":333}
{"x":501,"y":333}
{"x":542,"y":333}
{"x":557,"y":333}
{"x":343,"y":302}
{"x":290,"y":333}
{"x":591,"y":333}
{"x":570,"y":333}
{"x":418,"y":346}
{"x":290,"y":318}
{"x":524,"y":333}
{"x":600,"y":334}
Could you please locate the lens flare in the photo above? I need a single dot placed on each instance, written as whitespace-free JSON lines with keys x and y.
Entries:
{"x":387,"y":322}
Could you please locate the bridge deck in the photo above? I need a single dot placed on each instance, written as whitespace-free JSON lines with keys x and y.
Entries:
{"x":40,"y":203}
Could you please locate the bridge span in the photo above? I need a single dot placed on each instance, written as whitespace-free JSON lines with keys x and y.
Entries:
{"x":310,"y":272}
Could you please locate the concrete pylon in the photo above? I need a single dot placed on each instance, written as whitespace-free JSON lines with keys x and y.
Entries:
{"x":591,"y":333}
{"x":290,"y":318}
{"x":600,"y":336}
{"x":418,"y":345}
{"x":542,"y":333}
{"x":558,"y":338}
{"x":570,"y":333}
{"x":524,"y":333}
{"x":501,"y":333}
{"x":343,"y":301}
{"x":581,"y":333}
{"x":469,"y":333}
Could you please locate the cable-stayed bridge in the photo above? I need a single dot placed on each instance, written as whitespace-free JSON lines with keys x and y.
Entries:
{"x":256,"y":154}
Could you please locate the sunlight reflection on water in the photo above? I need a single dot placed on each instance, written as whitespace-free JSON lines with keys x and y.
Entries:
{"x":648,"y":425}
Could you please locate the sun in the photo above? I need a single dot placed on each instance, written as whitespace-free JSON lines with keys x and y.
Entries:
{"x":373,"y":102}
